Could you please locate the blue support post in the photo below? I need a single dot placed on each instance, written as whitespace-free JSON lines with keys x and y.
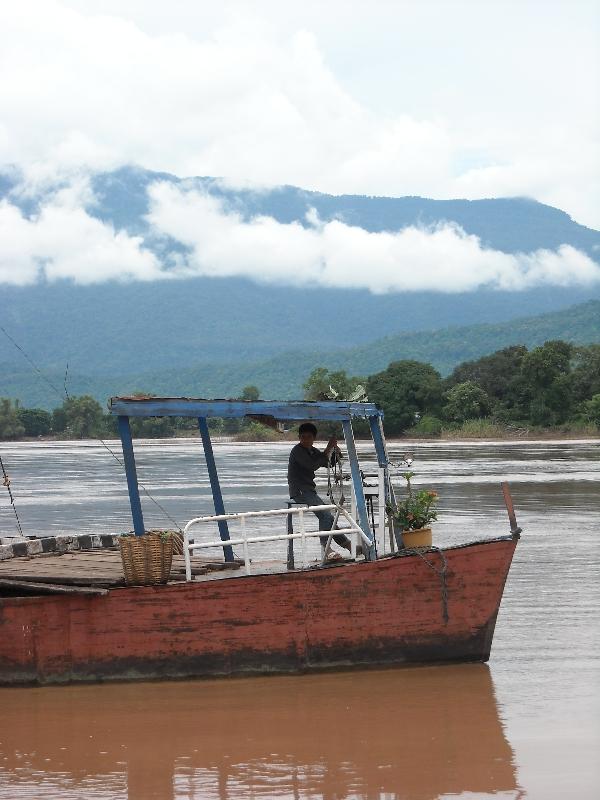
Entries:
{"x":131,"y":473}
{"x":361,"y":506}
{"x":378,"y":441}
{"x":215,"y":486}
{"x":383,"y":461}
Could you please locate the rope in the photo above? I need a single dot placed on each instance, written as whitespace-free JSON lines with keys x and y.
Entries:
{"x":335,"y":476}
{"x":6,"y":482}
{"x":143,"y":488}
{"x":65,"y":381}
{"x":441,"y":573}
{"x":39,"y":372}
{"x":102,"y":442}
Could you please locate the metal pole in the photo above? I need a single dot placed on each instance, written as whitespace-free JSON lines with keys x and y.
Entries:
{"x":383,"y":461}
{"x":215,"y":486}
{"x":131,"y":473}
{"x":361,"y":506}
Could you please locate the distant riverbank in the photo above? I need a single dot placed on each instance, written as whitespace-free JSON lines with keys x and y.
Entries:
{"x":591,"y":433}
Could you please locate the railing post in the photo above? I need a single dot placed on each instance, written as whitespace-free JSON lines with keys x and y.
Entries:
{"x":361,"y":506}
{"x":131,"y":473}
{"x":215,"y":486}
{"x":303,"y":539}
{"x":187,"y":556}
{"x":245,"y":545}
{"x":290,"y":542}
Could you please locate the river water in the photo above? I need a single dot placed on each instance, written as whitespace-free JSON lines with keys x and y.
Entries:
{"x":526,"y":725}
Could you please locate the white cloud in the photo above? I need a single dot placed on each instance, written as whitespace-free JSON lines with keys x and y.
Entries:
{"x":63,"y":241}
{"x":259,"y":103}
{"x":334,"y":254}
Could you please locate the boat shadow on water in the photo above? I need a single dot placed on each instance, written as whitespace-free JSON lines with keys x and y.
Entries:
{"x":413,"y":733}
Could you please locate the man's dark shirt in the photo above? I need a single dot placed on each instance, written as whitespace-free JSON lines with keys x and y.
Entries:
{"x":301,"y":468}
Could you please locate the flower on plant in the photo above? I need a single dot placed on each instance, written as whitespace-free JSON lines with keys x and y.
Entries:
{"x":417,"y":510}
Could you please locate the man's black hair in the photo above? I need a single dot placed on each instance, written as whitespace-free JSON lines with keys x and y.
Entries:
{"x":308,"y":427}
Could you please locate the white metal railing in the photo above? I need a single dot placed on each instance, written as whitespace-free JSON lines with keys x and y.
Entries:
{"x":189,"y":545}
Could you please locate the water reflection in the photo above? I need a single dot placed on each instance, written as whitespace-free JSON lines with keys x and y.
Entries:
{"x":412,"y":734}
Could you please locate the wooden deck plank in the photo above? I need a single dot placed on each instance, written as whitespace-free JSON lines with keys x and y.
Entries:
{"x":98,"y":568}
{"x":52,"y":588}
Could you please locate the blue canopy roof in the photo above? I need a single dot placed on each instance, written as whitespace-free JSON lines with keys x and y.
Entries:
{"x":277,"y":409}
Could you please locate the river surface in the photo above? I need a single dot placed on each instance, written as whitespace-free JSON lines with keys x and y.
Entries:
{"x":526,"y":725}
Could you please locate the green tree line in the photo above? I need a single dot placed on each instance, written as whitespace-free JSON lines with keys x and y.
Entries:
{"x":555,"y":384}
{"x":83,"y":417}
{"x":548,"y":386}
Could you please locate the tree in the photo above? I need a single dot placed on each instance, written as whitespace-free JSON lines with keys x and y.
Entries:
{"x":499,"y":375}
{"x":250,"y":393}
{"x":152,"y":427}
{"x":321,"y":381}
{"x":544,"y":364}
{"x":592,"y":409}
{"x":256,"y":432}
{"x":546,"y":370}
{"x":11,"y":426}
{"x":403,"y":390}
{"x":83,"y":416}
{"x":585,"y":371}
{"x":466,"y":401}
{"x":59,"y":419}
{"x":35,"y":421}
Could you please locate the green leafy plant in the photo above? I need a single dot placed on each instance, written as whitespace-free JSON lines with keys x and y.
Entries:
{"x":417,"y":510}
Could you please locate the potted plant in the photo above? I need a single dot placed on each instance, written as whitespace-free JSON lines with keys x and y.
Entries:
{"x":413,"y":515}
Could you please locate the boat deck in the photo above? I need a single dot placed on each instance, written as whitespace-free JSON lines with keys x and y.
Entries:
{"x":98,"y":571}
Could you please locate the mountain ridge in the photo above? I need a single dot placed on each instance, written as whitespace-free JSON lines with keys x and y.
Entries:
{"x":111,"y":328}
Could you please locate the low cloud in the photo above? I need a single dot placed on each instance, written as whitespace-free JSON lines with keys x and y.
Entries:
{"x":62,"y":240}
{"x":333,"y":254}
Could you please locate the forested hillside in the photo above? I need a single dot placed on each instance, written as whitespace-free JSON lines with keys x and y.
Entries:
{"x":282,"y":377}
{"x":513,"y":389}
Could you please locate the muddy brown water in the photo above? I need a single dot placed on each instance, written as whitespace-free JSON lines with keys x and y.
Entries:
{"x":525,"y":725}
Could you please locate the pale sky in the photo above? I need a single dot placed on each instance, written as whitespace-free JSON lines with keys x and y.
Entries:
{"x":471,"y":99}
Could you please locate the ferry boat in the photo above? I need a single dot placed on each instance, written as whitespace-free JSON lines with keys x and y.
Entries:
{"x":70,"y":617}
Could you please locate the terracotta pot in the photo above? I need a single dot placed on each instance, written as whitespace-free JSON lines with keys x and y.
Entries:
{"x":419,"y":538}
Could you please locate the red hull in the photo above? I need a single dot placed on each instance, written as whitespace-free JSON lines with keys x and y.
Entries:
{"x":383,"y":612}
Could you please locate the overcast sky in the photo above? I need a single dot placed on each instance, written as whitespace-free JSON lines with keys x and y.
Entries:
{"x":480,"y":98}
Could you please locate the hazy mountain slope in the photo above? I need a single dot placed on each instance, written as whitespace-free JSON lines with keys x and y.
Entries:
{"x":282,"y":376}
{"x":111,"y":328}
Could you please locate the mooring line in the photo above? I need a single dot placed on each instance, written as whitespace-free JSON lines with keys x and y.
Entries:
{"x":102,"y":442}
{"x":40,"y":373}
{"x":6,"y":482}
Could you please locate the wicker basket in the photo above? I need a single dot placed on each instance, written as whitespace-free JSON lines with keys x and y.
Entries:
{"x":146,"y":559}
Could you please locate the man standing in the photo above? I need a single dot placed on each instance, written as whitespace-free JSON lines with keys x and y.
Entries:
{"x":305,"y":459}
